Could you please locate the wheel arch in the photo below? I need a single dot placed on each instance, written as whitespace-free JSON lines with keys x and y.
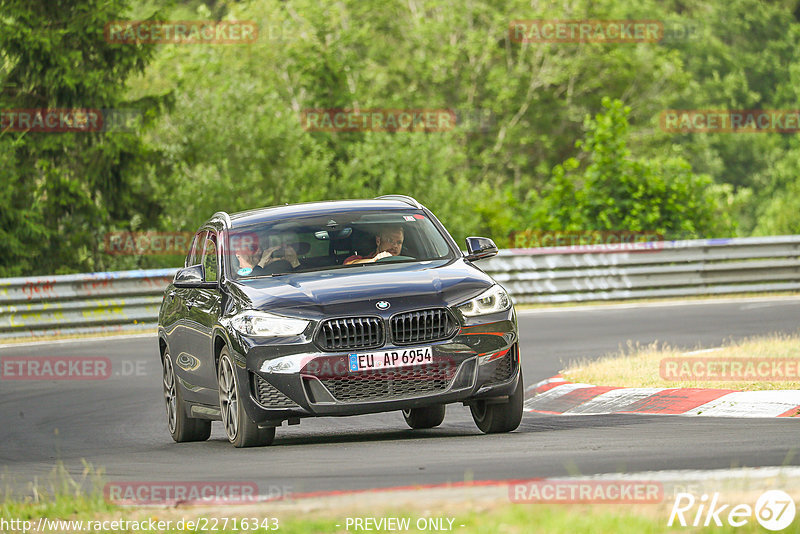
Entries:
{"x":163,"y":347}
{"x":220,"y":342}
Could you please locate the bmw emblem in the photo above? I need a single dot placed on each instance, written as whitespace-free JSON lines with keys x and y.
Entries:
{"x":382,"y":305}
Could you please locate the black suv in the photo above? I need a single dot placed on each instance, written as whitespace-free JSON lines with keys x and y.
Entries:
{"x":335,"y":308}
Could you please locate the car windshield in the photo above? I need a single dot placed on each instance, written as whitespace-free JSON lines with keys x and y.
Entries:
{"x":353,"y":239}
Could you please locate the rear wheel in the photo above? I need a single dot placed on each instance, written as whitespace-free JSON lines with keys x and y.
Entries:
{"x":241,"y":431}
{"x":493,"y":418}
{"x":427,"y":417}
{"x":182,"y":427}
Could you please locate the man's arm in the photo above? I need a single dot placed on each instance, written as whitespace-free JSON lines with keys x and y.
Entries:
{"x":353,"y":259}
{"x":368,"y":259}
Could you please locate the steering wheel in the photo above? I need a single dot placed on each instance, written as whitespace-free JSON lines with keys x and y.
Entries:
{"x":396,"y":258}
{"x":280,"y":266}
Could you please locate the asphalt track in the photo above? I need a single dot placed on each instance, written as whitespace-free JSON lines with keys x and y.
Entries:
{"x":119,"y":424}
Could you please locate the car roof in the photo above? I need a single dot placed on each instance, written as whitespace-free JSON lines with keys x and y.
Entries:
{"x":245,"y":218}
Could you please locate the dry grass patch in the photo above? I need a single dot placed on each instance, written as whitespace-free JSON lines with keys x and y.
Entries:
{"x":641,"y":366}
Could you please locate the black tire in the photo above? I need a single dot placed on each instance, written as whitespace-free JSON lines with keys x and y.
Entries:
{"x":427,"y":417}
{"x":241,"y":431}
{"x":505,"y":417}
{"x":182,"y":427}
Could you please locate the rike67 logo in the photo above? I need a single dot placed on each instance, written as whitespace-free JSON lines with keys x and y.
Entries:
{"x":774,"y":510}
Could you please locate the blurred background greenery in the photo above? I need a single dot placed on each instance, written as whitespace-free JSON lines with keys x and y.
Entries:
{"x":551,"y":136}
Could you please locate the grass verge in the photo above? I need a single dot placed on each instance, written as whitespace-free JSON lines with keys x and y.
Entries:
{"x":641,"y":366}
{"x":474,"y":517}
{"x":466,"y":509}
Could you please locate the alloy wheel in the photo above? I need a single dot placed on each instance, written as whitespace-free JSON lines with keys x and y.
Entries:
{"x":228,"y":398}
{"x":169,"y":394}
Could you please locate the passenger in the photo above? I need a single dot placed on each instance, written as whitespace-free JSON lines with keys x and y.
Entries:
{"x":279,"y":253}
{"x":256,"y":263}
{"x":389,"y":242}
{"x":248,"y":257}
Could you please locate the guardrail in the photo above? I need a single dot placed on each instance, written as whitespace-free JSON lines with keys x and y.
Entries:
{"x":81,"y":303}
{"x":129,"y":300}
{"x":650,"y":270}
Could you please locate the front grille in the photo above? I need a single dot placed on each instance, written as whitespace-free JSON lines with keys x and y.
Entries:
{"x":351,"y":333}
{"x":269,"y":396}
{"x":420,"y":326}
{"x":391,"y":384}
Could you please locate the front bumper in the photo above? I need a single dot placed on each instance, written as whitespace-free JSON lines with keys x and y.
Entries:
{"x":298,"y":380}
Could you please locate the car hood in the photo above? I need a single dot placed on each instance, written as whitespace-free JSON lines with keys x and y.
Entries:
{"x":356,"y":290}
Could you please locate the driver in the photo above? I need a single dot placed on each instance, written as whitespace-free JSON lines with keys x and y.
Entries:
{"x":389,"y":242}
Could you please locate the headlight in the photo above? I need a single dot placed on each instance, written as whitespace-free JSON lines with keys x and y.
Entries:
{"x":493,"y":300}
{"x":262,"y":324}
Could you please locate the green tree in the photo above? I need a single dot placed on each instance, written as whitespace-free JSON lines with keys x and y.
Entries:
{"x":607,"y":189}
{"x":67,"y":188}
{"x":235,"y":139}
{"x":232,"y":137}
{"x":741,"y":55}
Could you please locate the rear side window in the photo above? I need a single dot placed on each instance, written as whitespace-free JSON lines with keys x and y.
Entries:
{"x":196,"y":250}
{"x":210,"y":258}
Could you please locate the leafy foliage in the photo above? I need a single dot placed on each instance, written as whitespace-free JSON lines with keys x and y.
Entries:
{"x":613,"y":191}
{"x":221,"y":124}
{"x":66,"y":187}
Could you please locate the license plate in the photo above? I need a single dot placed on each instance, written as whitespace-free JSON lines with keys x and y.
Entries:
{"x":389,"y":358}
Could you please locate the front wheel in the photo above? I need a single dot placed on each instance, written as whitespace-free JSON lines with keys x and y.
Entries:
{"x":427,"y":417}
{"x":241,"y":431}
{"x":182,"y":427}
{"x":505,"y":417}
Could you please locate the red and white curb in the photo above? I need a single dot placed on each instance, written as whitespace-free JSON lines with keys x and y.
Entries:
{"x":558,"y":396}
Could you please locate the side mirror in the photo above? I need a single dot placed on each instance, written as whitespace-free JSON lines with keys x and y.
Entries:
{"x":479,"y":248}
{"x":192,"y":277}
